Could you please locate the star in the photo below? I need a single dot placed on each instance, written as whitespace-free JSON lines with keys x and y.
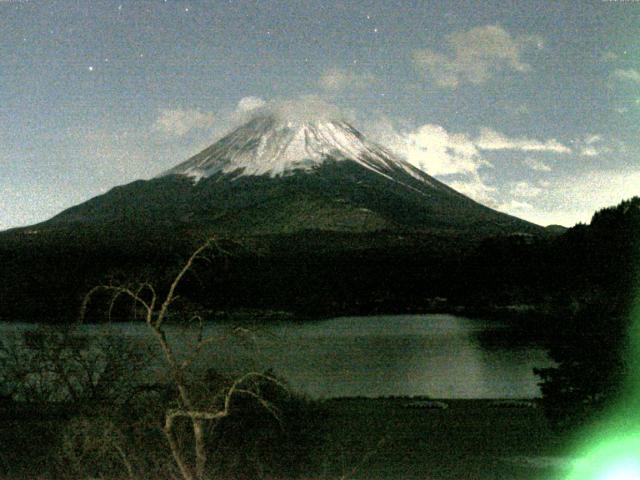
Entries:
{"x":186,"y":9}
{"x":375,"y":30}
{"x":90,"y":68}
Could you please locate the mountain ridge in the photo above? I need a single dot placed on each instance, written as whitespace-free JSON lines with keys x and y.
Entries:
{"x":353,"y":184}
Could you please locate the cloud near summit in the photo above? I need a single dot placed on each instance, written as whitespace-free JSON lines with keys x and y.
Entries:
{"x":458,"y":158}
{"x":305,"y":108}
{"x":452,"y":157}
{"x":248,"y":104}
{"x":439,"y":152}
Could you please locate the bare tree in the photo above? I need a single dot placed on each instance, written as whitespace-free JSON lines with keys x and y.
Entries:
{"x":57,"y":378}
{"x":155,"y":308}
{"x":60,"y":364}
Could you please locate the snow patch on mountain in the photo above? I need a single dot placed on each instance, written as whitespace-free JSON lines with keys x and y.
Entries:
{"x":267,"y":145}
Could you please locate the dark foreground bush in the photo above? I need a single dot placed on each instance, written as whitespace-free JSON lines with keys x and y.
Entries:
{"x":252,"y":442}
{"x":126,"y":441}
{"x":274,"y":442}
{"x":75,"y":407}
{"x":589,"y":350}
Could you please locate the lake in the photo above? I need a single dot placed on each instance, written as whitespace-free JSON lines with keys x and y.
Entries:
{"x":442,"y":356}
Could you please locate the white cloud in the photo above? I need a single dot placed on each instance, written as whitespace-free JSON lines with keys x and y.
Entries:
{"x":627,"y":75}
{"x":524,"y":189}
{"x":305,"y":108}
{"x":592,"y":146}
{"x":475,"y":187}
{"x":514,"y":206}
{"x":457,"y":158}
{"x":476,"y":55}
{"x":451,"y":157}
{"x":444,"y":72}
{"x":337,"y":79}
{"x":179,"y":122}
{"x":492,"y":140}
{"x":536,"y":164}
{"x":589,"y":151}
{"x":432,"y":149}
{"x":247,"y":104}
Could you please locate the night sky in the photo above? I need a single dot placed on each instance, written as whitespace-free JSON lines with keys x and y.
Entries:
{"x":530,"y":107}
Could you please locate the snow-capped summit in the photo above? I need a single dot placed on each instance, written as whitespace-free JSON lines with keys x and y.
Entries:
{"x":268,"y":145}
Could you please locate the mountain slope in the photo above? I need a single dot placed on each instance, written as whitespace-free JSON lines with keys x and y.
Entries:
{"x":269,"y":177}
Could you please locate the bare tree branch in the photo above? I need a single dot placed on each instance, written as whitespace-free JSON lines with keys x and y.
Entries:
{"x":146,"y":296}
{"x":178,"y":278}
{"x":117,"y":292}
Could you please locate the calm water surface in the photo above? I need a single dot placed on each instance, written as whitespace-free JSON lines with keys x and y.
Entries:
{"x":443,"y":356}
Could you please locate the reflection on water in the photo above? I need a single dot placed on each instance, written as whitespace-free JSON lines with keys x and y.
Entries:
{"x":436,"y":355}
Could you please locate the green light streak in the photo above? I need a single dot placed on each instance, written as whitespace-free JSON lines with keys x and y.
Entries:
{"x":611,"y":449}
{"x":611,"y":459}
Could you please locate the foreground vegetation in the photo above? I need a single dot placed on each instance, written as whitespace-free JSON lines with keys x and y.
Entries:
{"x":75,"y":406}
{"x":214,"y":424}
{"x":88,"y":407}
{"x":592,"y":341}
{"x":334,"y":439}
{"x":94,"y":418}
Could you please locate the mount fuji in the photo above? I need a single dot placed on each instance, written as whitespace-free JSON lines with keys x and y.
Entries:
{"x":332,"y":224}
{"x":275,"y":176}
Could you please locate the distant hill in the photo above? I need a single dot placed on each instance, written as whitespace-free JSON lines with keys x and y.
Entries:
{"x":556,"y":229}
